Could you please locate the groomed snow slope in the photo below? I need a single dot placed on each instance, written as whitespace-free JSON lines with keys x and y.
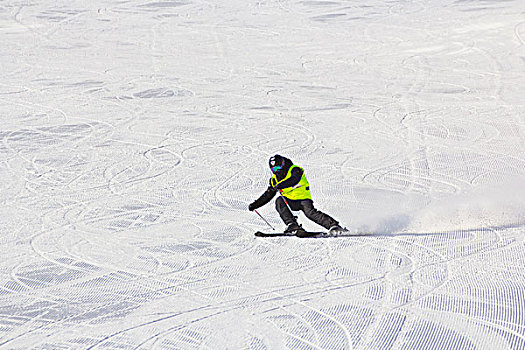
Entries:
{"x":135,"y":133}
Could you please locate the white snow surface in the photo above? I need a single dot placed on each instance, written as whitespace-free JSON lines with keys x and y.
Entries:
{"x":134,"y":134}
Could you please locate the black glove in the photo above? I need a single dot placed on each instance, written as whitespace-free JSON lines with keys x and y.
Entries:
{"x":252,"y":206}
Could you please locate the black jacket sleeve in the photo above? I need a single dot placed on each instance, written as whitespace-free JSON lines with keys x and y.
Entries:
{"x":294,"y":179}
{"x":264,"y":198}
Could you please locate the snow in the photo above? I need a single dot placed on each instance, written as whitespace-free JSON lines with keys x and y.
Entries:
{"x":134,"y":134}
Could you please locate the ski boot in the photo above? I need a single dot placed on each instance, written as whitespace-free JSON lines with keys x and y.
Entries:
{"x":336,"y":230}
{"x":295,"y":229}
{"x":292,"y":228}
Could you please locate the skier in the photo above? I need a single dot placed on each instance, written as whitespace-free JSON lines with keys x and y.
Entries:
{"x":291,"y":182}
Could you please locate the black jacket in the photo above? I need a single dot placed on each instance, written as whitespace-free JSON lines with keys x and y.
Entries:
{"x":271,"y":191}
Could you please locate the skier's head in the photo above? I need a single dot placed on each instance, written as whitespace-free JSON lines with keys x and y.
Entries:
{"x":276,"y":163}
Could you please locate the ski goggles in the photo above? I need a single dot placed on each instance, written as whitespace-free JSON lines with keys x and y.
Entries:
{"x":276,"y":168}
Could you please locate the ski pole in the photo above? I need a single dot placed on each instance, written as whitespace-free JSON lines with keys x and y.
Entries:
{"x":267,"y":223}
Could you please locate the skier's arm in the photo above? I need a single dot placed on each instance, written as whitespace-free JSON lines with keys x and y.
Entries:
{"x":263,"y":199}
{"x":294,"y":179}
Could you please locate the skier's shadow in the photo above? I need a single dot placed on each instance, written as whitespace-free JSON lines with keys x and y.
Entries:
{"x":385,"y":234}
{"x":426,"y":234}
{"x":377,"y":234}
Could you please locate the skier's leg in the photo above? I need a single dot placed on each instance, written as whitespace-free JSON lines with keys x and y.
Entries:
{"x":284,"y":212}
{"x":320,"y":218}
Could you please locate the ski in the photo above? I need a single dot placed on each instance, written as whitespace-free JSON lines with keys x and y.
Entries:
{"x":287,"y":234}
{"x":305,"y":234}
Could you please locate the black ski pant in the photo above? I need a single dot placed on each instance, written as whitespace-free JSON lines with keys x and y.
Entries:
{"x":307,"y":207}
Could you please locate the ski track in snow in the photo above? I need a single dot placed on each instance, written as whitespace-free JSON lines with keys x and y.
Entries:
{"x":134,"y":134}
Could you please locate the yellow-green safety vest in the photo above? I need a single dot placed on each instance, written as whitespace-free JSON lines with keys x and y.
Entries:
{"x":297,"y":192}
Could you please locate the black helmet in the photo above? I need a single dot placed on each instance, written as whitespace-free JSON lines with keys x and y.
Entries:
{"x":276,"y":161}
